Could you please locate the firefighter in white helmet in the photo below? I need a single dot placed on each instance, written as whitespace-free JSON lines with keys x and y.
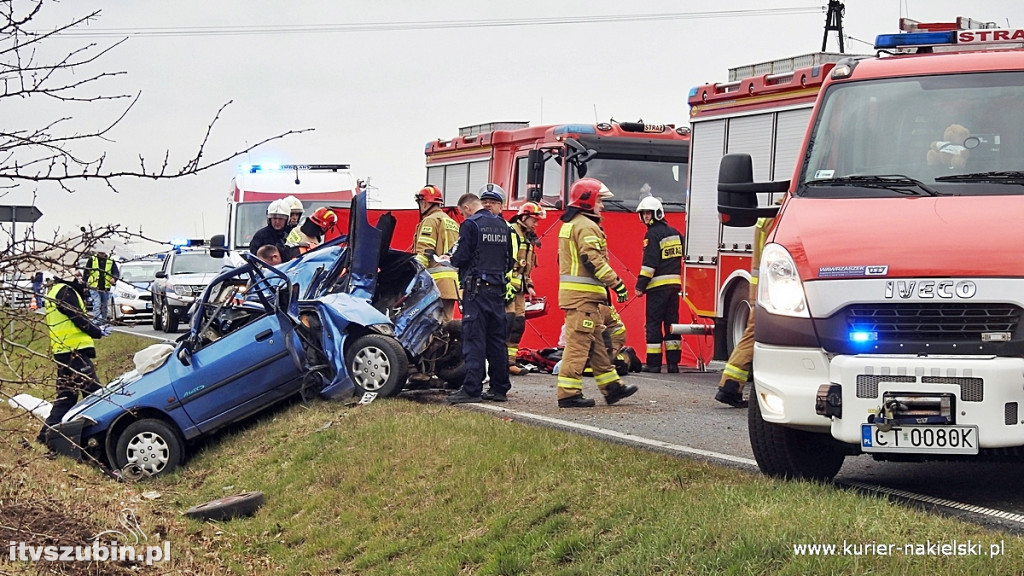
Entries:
{"x":295,"y":211}
{"x":276,"y":230}
{"x":660,"y":280}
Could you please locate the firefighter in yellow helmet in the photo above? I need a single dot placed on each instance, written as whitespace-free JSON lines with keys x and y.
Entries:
{"x":436,"y":233}
{"x":585,"y":277}
{"x":525,"y":243}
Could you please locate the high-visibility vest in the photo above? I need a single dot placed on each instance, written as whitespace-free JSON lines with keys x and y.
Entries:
{"x":64,"y":335}
{"x":95,"y":272}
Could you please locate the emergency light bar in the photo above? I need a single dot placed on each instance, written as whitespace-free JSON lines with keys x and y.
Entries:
{"x":254,"y":168}
{"x":950,"y":38}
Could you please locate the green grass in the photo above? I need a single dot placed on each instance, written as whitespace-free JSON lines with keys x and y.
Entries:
{"x":399,"y":487}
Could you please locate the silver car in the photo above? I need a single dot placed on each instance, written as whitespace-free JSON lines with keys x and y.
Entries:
{"x":132,"y":292}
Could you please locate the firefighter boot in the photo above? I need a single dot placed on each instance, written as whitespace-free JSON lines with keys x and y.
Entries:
{"x":616,"y":391}
{"x":577,"y":401}
{"x":653,"y":360}
{"x":672,"y":369}
{"x":651,"y":368}
{"x":729,"y":393}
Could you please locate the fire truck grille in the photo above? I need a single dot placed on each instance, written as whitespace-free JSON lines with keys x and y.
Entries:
{"x":971,"y":389}
{"x":947,"y":322}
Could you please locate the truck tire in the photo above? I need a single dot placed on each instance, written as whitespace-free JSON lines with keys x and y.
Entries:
{"x":377,"y":363}
{"x":792,"y":454}
{"x":729,"y":329}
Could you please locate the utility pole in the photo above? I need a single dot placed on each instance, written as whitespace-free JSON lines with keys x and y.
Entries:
{"x":834,"y":21}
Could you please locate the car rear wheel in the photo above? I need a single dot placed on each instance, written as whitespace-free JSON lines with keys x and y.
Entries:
{"x":170,"y":323}
{"x":377,"y":363}
{"x":151,"y":445}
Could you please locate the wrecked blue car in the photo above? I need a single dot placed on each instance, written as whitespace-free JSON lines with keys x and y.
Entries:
{"x":350,"y":318}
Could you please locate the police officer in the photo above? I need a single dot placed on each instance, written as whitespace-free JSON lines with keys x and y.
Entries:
{"x":276,"y":230}
{"x":524,"y":247}
{"x":71,"y":340}
{"x":583,"y":282}
{"x":436,"y":234}
{"x":483,"y":256}
{"x":660,"y":280}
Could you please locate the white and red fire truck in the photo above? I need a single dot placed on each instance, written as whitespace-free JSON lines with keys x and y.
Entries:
{"x":540,"y":163}
{"x":891,"y":286}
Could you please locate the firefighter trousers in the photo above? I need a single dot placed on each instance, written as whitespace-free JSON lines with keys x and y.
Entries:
{"x":662,"y":312}
{"x":584,"y":344}
{"x":737,"y":368}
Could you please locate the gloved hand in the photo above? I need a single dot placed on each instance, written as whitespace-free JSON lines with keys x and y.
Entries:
{"x":621,"y":292}
{"x":639,"y":292}
{"x":106,"y":329}
{"x":510,"y":292}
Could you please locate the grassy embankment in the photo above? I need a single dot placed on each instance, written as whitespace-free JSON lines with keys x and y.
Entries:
{"x":399,"y":487}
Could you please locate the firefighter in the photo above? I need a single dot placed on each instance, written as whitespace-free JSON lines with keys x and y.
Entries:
{"x":524,"y":245}
{"x":311,"y":233}
{"x":275,"y":231}
{"x":737,"y":369}
{"x":483,"y":256}
{"x":71,"y":340}
{"x":660,"y":280}
{"x":436,"y":233}
{"x":584,"y":280}
{"x":295,"y":211}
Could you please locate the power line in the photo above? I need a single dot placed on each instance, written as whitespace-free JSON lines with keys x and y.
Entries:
{"x":192,"y":31}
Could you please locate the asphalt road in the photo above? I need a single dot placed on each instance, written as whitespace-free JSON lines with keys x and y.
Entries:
{"x":677,"y":413}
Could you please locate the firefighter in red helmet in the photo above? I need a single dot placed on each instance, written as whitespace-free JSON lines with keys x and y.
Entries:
{"x":436,"y":233}
{"x":310,"y":233}
{"x":585,"y":277}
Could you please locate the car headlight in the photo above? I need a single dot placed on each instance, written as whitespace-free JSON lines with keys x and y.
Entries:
{"x":385,"y":329}
{"x":779,"y":288}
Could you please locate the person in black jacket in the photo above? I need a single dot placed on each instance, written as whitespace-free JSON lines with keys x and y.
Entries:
{"x":660,"y":279}
{"x":275,"y":232}
{"x":71,"y":340}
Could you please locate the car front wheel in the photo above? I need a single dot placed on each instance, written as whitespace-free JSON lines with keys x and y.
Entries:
{"x":377,"y":363}
{"x":157,"y":317}
{"x":170,"y":323}
{"x":151,"y":445}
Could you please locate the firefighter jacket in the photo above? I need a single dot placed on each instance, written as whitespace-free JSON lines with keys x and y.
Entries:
{"x":525,"y":257}
{"x":436,"y":234}
{"x":100,"y":273}
{"x":484,"y":250}
{"x":68,"y":326}
{"x":663,"y":257}
{"x":583,"y":269}
{"x":308,"y":233}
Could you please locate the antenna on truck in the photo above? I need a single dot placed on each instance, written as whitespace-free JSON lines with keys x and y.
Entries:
{"x":834,"y":21}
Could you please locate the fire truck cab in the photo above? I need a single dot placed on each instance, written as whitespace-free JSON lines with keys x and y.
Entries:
{"x":891,"y":287}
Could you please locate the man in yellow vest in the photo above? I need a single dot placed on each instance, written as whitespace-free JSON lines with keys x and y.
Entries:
{"x":737,"y":368}
{"x":583,"y":283}
{"x":71,"y":340}
{"x":100,"y":274}
{"x":436,"y":235}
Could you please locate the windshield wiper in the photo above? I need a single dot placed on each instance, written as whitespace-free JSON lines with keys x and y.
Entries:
{"x":895,"y":182}
{"x":1005,"y":177}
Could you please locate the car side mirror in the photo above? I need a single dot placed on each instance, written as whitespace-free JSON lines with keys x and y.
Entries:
{"x":737,"y":192}
{"x":161,"y":274}
{"x":185,"y":354}
{"x":217,"y":247}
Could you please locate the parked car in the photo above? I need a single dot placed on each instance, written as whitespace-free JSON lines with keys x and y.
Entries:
{"x":182,"y":278}
{"x":133,"y":299}
{"x":347,"y":318}
{"x":16,"y":290}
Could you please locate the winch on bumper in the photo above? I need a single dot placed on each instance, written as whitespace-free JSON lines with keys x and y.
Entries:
{"x":924,"y":405}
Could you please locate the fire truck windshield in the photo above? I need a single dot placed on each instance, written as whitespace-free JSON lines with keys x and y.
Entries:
{"x":251,"y":216}
{"x":631,"y":179}
{"x":955,"y":134}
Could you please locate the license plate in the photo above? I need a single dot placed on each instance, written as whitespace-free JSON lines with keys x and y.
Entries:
{"x":921,"y":439}
{"x":148,"y":306}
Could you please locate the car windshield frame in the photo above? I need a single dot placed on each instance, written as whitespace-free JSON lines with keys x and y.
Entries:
{"x":871,"y":138}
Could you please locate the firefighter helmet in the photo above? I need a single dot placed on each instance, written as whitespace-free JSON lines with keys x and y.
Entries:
{"x":585,"y":191}
{"x":324,"y":217}
{"x":491,"y":191}
{"x":651,"y":204}
{"x":532,"y":209}
{"x":430,"y":194}
{"x":293,"y":204}
{"x":277,"y":208}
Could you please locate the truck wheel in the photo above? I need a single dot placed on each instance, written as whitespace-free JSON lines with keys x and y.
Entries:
{"x":738,"y":310}
{"x":377,"y":363}
{"x":151,"y":445}
{"x":170,"y":323}
{"x":788,"y":453}
{"x":157,"y":318}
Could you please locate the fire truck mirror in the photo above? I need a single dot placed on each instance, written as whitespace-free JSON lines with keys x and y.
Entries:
{"x":535,"y":175}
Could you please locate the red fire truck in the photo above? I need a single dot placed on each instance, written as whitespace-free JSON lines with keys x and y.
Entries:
{"x":540,"y":163}
{"x":890,"y":288}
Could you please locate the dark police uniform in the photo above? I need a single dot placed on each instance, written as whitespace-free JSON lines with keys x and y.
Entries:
{"x":483,"y":256}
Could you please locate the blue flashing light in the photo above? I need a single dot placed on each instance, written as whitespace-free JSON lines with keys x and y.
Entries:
{"x":179,"y":242}
{"x":863,"y":336}
{"x":693,"y":91}
{"x":891,"y":41}
{"x":574,"y":129}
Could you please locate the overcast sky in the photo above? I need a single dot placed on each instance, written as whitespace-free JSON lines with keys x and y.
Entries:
{"x":378,"y":79}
